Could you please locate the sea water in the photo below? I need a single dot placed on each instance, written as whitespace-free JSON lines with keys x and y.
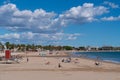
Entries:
{"x":105,"y":56}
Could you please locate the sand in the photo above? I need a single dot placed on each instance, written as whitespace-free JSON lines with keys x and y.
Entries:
{"x":58,"y":75}
{"x":80,"y":69}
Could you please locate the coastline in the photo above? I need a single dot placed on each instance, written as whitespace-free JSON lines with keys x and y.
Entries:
{"x":87,"y":56}
{"x":93,"y":51}
{"x":36,"y":68}
{"x":64,"y":54}
{"x":83,"y":62}
{"x":101,"y":61}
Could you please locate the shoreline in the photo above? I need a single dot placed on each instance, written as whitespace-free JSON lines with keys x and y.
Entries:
{"x":104,"y":60}
{"x":101,"y":61}
{"x":64,"y":54}
{"x":85,"y":64}
{"x":36,"y":68}
{"x":110,"y":67}
{"x":93,"y":51}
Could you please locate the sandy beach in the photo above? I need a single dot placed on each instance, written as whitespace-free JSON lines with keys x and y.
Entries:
{"x":47,"y":68}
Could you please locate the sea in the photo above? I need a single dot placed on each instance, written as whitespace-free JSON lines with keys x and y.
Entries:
{"x":105,"y":56}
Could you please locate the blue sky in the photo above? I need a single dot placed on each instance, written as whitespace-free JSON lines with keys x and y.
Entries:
{"x":60,"y":22}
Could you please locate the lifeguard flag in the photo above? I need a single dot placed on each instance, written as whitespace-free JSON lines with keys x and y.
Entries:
{"x":7,"y":54}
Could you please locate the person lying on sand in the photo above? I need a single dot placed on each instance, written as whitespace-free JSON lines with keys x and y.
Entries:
{"x":47,"y":63}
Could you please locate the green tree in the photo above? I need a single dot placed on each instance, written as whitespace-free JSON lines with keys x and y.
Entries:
{"x":81,"y":48}
{"x":67,"y":47}
{"x":7,"y":44}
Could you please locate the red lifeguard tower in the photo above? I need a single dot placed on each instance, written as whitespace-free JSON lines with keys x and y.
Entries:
{"x":7,"y":54}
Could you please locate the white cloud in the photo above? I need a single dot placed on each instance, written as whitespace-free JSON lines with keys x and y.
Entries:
{"x":41,"y":21}
{"x":38,"y":37}
{"x":82,"y":14}
{"x":88,"y":4}
{"x":111,"y":18}
{"x":112,"y":5}
{"x":73,"y":36}
{"x":42,"y":26}
{"x":37,"y":21}
{"x":28,"y":35}
{"x":10,"y":36}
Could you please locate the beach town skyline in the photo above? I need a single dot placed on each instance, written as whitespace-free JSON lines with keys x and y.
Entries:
{"x":36,"y":47}
{"x":61,"y":22}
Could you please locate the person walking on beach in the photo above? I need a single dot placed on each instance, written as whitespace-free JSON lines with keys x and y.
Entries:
{"x":27,"y":59}
{"x":59,"y":65}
